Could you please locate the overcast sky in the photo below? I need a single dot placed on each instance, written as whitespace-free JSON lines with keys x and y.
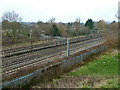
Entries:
{"x":62,"y":10}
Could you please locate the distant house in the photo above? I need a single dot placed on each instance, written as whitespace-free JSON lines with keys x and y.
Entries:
{"x":60,"y":37}
{"x":45,"y":36}
{"x":81,"y":24}
{"x":72,"y":28}
{"x":20,"y":36}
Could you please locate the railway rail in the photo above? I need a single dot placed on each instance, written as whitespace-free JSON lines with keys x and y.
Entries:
{"x":13,"y":63}
{"x":21,"y":58}
{"x":28,"y":49}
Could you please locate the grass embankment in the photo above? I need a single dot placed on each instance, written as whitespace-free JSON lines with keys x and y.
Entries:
{"x":105,"y":68}
{"x":106,"y":65}
{"x":101,"y":72}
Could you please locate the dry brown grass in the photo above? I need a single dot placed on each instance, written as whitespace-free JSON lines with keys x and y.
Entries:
{"x":111,"y":38}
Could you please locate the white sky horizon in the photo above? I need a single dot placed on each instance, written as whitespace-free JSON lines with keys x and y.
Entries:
{"x":63,"y":10}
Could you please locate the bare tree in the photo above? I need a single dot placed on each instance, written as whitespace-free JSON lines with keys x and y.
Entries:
{"x":101,"y":25}
{"x":52,"y":20}
{"x":62,"y":29}
{"x":11,"y":17}
{"x":77,"y":25}
{"x":77,"y":20}
{"x":13,"y":22}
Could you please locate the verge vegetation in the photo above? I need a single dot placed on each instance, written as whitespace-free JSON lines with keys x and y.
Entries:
{"x":101,"y":72}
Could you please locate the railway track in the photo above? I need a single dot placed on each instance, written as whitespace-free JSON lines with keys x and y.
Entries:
{"x":35,"y":54}
{"x":28,"y":49}
{"x":13,"y":63}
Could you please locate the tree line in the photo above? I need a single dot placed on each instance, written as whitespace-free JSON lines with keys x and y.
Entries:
{"x":11,"y":22}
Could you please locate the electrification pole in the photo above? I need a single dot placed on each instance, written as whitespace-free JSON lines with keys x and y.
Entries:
{"x":31,"y":40}
{"x":67,"y":47}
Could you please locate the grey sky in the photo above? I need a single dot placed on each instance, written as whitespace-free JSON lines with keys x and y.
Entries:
{"x":62,"y":10}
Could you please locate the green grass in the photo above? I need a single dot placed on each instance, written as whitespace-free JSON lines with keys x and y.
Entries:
{"x":85,"y":87}
{"x":103,"y":67}
{"x":107,"y":65}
